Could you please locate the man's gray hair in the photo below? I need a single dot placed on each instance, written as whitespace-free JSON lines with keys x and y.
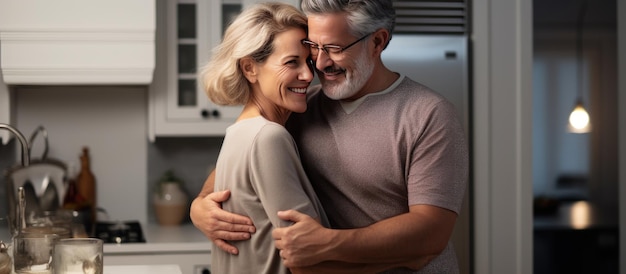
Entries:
{"x":364,"y":16}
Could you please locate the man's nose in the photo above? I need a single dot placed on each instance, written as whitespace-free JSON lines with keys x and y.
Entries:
{"x":323,"y":60}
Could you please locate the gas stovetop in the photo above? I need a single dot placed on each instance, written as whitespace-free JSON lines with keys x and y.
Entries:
{"x":120,"y":232}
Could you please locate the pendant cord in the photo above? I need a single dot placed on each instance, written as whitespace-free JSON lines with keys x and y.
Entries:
{"x":579,"y":48}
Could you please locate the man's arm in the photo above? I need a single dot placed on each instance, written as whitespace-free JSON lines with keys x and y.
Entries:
{"x":218,"y":225}
{"x":421,"y":234}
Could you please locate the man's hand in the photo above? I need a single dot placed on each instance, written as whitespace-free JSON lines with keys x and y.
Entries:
{"x":218,"y":225}
{"x":304,"y":243}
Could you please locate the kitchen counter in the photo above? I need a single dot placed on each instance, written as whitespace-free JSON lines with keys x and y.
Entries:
{"x":578,"y":237}
{"x":142,"y":269}
{"x":182,"y":247}
{"x":184,"y":238}
{"x":579,"y":215}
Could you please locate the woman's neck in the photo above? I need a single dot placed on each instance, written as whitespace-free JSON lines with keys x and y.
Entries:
{"x":254,"y":109}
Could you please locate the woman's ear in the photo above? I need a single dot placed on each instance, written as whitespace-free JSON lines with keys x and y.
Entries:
{"x":248,"y":66}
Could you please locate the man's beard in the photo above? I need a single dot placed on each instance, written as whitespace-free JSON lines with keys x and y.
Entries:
{"x":353,"y":82}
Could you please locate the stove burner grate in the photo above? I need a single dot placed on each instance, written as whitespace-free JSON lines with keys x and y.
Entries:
{"x":120,"y":232}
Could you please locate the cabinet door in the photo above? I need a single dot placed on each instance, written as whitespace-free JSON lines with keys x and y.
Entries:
{"x":187,"y":31}
{"x":189,"y":262}
{"x":195,"y":29}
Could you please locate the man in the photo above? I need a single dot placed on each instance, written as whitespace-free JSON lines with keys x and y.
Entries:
{"x":386,"y":156}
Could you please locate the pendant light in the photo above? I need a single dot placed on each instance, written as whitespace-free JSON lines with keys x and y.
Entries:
{"x":579,"y":121}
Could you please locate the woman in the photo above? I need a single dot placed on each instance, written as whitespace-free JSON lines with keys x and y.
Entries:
{"x":262,"y":64}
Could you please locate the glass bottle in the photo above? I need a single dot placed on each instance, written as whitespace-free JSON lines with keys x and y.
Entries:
{"x":86,"y":186}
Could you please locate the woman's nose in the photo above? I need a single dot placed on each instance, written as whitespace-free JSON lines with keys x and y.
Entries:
{"x":306,"y":73}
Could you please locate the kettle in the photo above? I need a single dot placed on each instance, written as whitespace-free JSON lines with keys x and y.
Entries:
{"x":43,"y":180}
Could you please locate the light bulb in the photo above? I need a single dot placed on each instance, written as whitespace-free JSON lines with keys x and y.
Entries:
{"x":579,"y":120}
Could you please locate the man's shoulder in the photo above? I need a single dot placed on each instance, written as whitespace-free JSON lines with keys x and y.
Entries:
{"x":409,"y":89}
{"x":410,"y":85}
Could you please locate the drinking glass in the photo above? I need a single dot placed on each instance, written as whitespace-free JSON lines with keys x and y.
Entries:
{"x":78,"y":255}
{"x":32,"y":252}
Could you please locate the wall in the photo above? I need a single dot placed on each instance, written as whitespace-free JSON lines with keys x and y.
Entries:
{"x":502,"y":137}
{"x":112,"y":121}
{"x":7,"y":160}
{"x":192,"y":159}
{"x":555,"y":150}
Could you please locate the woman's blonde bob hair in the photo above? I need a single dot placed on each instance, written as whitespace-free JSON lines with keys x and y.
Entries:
{"x":251,"y":34}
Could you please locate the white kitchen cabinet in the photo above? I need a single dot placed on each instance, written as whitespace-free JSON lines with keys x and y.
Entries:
{"x":189,"y":262}
{"x":70,"y":42}
{"x":187,"y":31}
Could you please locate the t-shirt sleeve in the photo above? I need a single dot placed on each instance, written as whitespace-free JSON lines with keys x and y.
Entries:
{"x":277,"y":175}
{"x":440,"y":164}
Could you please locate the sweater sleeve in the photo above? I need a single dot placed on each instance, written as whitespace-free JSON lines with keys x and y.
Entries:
{"x":277,"y":175}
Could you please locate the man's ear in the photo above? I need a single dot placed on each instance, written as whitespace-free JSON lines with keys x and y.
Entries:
{"x":381,"y":37}
{"x":248,"y":66}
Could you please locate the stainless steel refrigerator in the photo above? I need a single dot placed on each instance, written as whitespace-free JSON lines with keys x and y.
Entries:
{"x":437,"y":61}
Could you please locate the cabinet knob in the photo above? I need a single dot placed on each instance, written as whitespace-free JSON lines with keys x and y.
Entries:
{"x":210,"y":113}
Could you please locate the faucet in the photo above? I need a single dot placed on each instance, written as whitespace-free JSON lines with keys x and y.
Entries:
{"x":19,"y":221}
{"x":23,"y":142}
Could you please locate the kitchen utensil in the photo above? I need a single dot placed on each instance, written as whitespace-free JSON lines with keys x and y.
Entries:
{"x":21,"y":211}
{"x":31,"y":142}
{"x":49,"y":198}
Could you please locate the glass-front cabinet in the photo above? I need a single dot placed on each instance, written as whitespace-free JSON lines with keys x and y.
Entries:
{"x":198,"y":28}
{"x":187,"y":31}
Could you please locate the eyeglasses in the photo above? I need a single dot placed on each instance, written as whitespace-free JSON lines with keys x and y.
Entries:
{"x":334,"y":52}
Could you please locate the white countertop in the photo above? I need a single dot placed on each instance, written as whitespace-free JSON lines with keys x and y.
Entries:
{"x":183,"y":238}
{"x":159,"y":239}
{"x":142,"y":269}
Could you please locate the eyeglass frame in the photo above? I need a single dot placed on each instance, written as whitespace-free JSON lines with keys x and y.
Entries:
{"x":324,"y":48}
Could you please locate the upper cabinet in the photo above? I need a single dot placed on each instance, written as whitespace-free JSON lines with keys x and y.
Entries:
{"x":187,"y":31}
{"x":69,"y":42}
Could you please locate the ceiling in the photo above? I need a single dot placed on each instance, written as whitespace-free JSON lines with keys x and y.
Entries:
{"x":564,"y":13}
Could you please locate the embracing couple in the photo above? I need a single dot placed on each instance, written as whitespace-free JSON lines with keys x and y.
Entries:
{"x":364,"y":173}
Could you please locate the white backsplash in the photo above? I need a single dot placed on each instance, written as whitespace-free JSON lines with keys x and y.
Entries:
{"x":112,"y":122}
